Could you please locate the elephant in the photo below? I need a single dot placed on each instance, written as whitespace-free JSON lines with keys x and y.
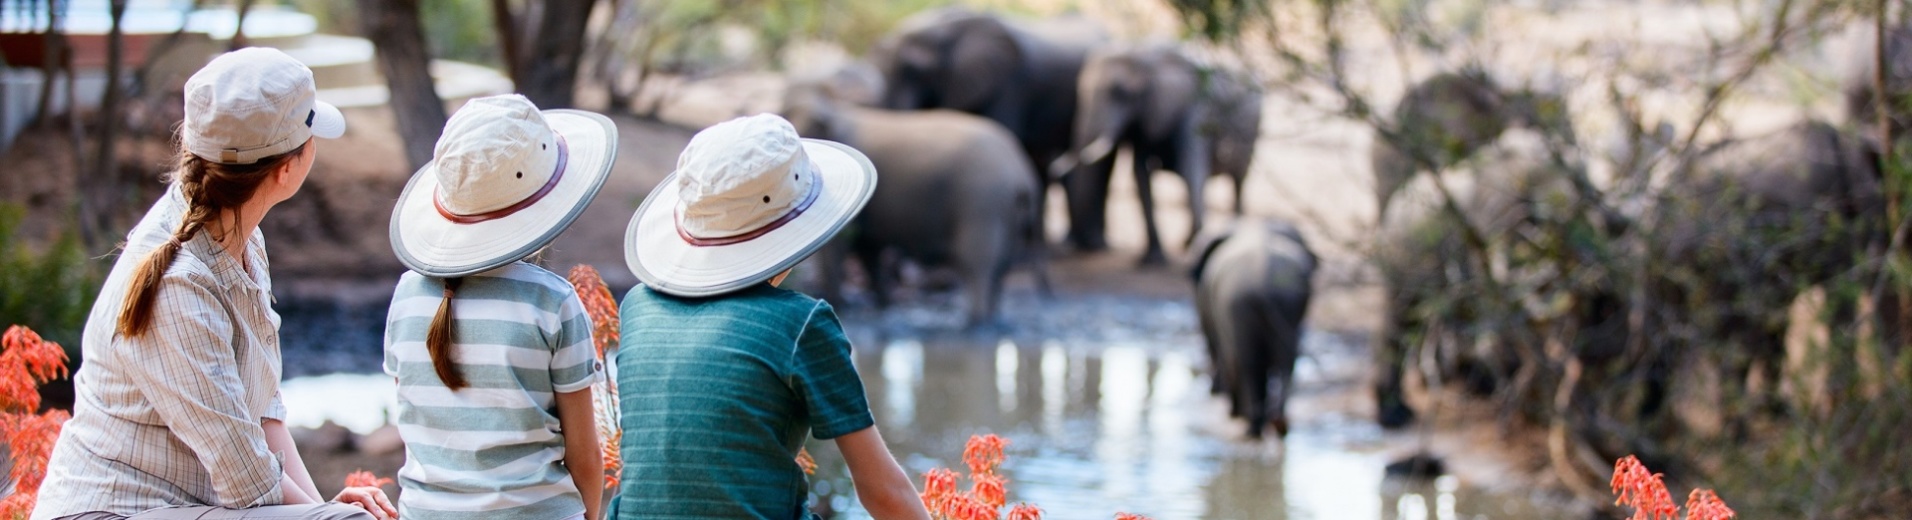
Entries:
{"x":951,"y":191}
{"x":1447,"y":117}
{"x":1173,"y":114}
{"x":1749,"y":226}
{"x":1022,"y":75}
{"x":1431,"y":286}
{"x":1253,"y":281}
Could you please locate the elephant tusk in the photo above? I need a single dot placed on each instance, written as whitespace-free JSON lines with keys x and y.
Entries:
{"x":1060,"y":167}
{"x":1095,"y":151}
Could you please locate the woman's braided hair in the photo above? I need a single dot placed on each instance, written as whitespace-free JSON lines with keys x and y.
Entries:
{"x":210,"y":188}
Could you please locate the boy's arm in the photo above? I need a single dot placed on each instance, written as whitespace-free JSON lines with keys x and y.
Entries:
{"x":582,"y":454}
{"x":886,"y":492}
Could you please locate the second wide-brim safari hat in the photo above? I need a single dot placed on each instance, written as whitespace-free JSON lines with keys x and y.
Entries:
{"x":504,"y":180}
{"x":748,"y":200}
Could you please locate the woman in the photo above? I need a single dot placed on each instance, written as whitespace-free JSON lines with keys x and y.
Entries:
{"x":177,"y":413}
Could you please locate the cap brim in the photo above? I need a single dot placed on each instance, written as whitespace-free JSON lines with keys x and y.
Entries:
{"x":665,"y":262}
{"x":327,"y":122}
{"x":434,"y":246}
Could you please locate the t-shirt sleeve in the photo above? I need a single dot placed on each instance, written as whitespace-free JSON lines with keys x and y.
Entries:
{"x":574,"y":363}
{"x":826,"y":379}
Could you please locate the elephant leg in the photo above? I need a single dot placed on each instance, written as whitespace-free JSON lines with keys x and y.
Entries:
{"x":1254,"y":351}
{"x":1211,"y":338}
{"x":985,"y":250}
{"x":1144,"y":170}
{"x":1087,"y":190}
{"x":1287,"y":348}
{"x":832,"y":257}
{"x":874,"y":268}
{"x":1390,"y":351}
{"x":1241,"y":178}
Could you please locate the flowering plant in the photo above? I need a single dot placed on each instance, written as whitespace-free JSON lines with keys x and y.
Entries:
{"x":988,"y":492}
{"x":1646,"y":493}
{"x":25,"y":364}
{"x":362,"y":478}
{"x":602,"y":307}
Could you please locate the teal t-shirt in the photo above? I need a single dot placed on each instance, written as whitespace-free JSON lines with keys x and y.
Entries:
{"x":717,"y":394}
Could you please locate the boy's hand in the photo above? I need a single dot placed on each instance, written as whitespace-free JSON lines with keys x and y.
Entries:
{"x":372,"y":499}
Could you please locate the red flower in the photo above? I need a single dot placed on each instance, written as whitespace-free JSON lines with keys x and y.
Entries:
{"x":965,"y":507}
{"x":1702,"y":504}
{"x":1130,"y":516}
{"x":1643,"y":490}
{"x":362,"y":478}
{"x":984,"y":453}
{"x":1025,"y":512}
{"x":939,"y":485}
{"x":990,"y":489}
{"x":599,"y":303}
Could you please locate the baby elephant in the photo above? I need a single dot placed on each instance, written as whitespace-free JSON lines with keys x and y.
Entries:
{"x":953,"y":190}
{"x":1252,"y":283}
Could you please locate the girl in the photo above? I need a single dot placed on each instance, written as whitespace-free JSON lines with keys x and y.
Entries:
{"x":493,"y":355}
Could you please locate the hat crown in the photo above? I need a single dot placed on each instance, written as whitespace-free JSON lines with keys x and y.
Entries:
{"x":495,"y":152}
{"x":741,"y":175}
{"x":248,"y":104}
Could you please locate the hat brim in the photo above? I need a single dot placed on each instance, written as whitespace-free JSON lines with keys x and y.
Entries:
{"x":665,"y":262}
{"x":432,"y":245}
{"x":327,"y":122}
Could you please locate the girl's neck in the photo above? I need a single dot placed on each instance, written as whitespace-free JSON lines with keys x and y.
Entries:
{"x":234,"y":227}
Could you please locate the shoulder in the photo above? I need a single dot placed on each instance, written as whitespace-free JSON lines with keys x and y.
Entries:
{"x":531,"y":280}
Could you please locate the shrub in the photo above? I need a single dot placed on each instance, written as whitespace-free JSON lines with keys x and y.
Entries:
{"x":27,"y":362}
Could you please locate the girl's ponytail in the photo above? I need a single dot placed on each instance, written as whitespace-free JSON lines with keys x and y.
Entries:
{"x":438,"y":340}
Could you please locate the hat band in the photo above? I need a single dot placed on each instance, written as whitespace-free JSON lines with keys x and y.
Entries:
{"x":564,"y":155}
{"x":816,"y":187}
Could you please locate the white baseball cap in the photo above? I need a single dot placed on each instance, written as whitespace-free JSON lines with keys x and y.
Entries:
{"x":749,"y":199}
{"x":504,"y":180}
{"x":254,"y":103}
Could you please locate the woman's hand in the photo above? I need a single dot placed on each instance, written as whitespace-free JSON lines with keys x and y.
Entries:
{"x":372,"y":499}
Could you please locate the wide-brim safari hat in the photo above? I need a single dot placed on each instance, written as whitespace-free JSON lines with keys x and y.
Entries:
{"x":748,"y":199}
{"x":505,"y":179}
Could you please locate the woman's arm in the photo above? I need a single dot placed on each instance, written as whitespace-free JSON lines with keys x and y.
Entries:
{"x":293,"y":495}
{"x":582,"y":454}
{"x":279,"y":440}
{"x":886,"y":492}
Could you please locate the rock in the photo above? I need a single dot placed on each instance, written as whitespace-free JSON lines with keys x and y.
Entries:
{"x":327,"y":438}
{"x":382,"y":441}
{"x":1420,"y":465}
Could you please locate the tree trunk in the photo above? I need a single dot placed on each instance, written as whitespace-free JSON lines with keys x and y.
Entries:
{"x":551,"y":60}
{"x":239,"y":40}
{"x":103,"y":189}
{"x":506,"y":25}
{"x":394,"y":27}
{"x":55,"y":56}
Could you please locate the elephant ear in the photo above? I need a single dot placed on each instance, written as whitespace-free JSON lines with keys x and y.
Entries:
{"x":1205,"y":244}
{"x":983,"y":60}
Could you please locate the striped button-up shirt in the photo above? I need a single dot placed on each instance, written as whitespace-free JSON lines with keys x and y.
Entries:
{"x":172,"y":417}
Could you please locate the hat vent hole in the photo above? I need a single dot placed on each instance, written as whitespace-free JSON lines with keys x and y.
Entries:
{"x":766,"y":199}
{"x":521,"y":175}
{"x":544,"y":146}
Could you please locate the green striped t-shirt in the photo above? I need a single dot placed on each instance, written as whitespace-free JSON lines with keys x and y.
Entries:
{"x":493,"y":449}
{"x":717,"y":395}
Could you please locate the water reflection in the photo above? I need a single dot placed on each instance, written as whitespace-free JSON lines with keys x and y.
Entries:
{"x":1112,"y":426}
{"x":1097,"y":425}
